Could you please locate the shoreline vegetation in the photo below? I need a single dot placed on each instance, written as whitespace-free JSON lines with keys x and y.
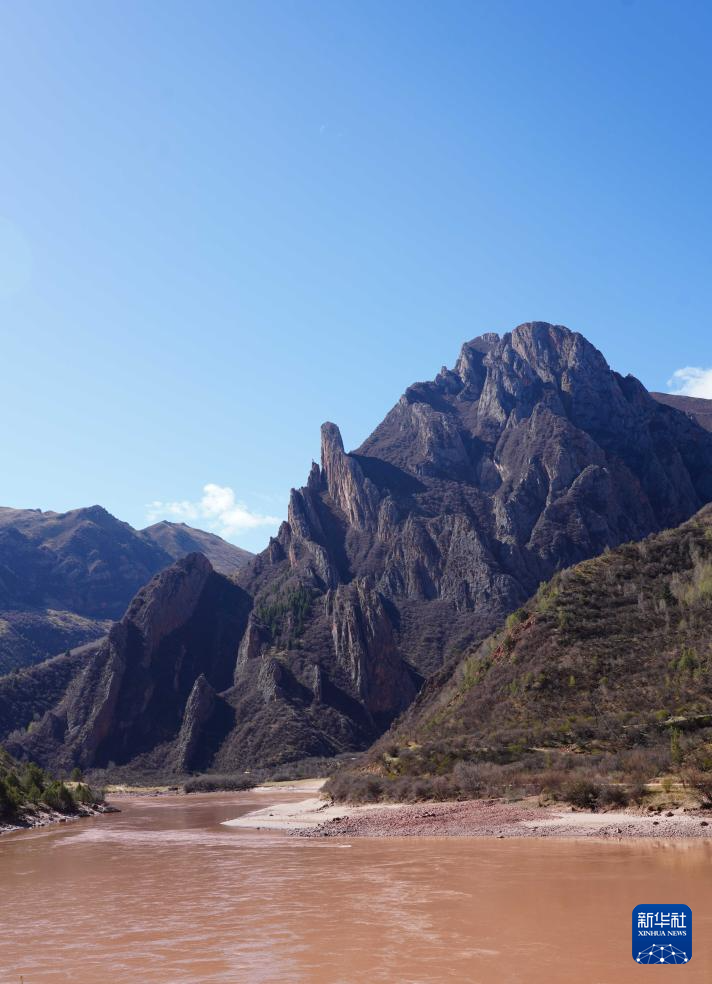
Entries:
{"x":30,"y":797}
{"x":665,"y":810}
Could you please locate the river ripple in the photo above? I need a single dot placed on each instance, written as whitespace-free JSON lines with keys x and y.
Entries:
{"x":163,"y":894}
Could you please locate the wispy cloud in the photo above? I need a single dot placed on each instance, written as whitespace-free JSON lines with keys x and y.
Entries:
{"x":692,"y":381}
{"x":218,"y":510}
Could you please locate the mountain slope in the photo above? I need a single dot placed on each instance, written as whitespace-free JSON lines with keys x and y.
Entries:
{"x":527,"y":457}
{"x":699,"y":409}
{"x":155,"y":677}
{"x":179,"y":540}
{"x":611,"y":660}
{"x":64,"y":577}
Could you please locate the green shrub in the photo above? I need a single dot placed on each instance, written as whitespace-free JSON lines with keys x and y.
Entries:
{"x":32,"y":794}
{"x":291,"y":607}
{"x":515,"y":619}
{"x":34,"y":777}
{"x":58,"y":797}
{"x":10,"y":799}
{"x":87,"y":796}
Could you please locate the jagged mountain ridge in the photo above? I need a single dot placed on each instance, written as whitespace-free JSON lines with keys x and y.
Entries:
{"x":65,"y":577}
{"x":529,"y":456}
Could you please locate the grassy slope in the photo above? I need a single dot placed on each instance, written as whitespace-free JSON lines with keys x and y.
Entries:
{"x":606,"y":672}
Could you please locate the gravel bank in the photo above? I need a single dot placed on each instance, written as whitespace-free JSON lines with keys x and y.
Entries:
{"x":495,"y":818}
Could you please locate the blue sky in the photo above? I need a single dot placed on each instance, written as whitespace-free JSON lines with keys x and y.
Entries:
{"x":222,"y":223}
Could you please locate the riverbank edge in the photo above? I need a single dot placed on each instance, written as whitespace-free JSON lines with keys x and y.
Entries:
{"x":43,"y":817}
{"x":317,"y":817}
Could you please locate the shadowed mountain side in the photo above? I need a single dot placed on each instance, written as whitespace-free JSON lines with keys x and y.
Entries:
{"x":171,"y":687}
{"x":130,"y":696}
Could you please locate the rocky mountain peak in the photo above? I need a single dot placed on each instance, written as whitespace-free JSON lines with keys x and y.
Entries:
{"x":154,"y":679}
{"x":169,"y":598}
{"x":529,"y":456}
{"x":354,"y":494}
{"x":332,"y":443}
{"x":533,"y":349}
{"x":552,"y":351}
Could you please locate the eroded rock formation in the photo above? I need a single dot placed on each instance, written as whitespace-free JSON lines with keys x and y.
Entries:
{"x":529,"y":456}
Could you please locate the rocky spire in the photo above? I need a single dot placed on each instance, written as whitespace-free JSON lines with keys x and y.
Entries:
{"x":353,"y":493}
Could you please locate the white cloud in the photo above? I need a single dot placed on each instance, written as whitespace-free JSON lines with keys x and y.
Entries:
{"x":218,"y":509}
{"x":692,"y":381}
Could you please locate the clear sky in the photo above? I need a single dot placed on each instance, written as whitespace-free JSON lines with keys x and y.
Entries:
{"x":222,"y":223}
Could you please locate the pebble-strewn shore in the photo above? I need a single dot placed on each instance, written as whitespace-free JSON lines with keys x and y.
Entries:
{"x":494,"y":818}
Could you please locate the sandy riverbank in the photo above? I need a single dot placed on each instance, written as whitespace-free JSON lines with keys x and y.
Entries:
{"x":316,"y":817}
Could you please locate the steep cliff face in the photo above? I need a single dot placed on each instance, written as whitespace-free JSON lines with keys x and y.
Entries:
{"x":531,"y":454}
{"x":527,"y":457}
{"x":146,"y":690}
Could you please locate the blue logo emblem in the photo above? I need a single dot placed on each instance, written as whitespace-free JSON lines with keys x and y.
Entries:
{"x":662,"y":934}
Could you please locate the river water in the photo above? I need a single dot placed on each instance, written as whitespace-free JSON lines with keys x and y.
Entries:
{"x":163,"y":894}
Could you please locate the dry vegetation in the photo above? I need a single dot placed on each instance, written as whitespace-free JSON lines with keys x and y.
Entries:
{"x":601,"y":684}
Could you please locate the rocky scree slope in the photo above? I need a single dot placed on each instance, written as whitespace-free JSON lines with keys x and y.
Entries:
{"x":527,"y":457}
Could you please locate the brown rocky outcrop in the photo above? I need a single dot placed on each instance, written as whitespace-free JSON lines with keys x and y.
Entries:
{"x":146,"y":690}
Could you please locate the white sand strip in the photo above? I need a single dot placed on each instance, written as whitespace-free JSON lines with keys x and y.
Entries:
{"x":288,"y":816}
{"x":303,"y":814}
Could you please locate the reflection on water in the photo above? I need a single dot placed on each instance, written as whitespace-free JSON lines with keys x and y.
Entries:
{"x":163,"y":893}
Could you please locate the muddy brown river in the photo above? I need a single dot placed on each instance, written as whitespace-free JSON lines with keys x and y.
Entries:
{"x":163,"y":894}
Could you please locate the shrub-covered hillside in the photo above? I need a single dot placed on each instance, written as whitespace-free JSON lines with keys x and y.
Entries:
{"x":604,"y":678}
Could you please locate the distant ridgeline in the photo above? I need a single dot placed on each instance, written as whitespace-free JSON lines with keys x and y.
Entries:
{"x":527,"y":457}
{"x":65,"y":577}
